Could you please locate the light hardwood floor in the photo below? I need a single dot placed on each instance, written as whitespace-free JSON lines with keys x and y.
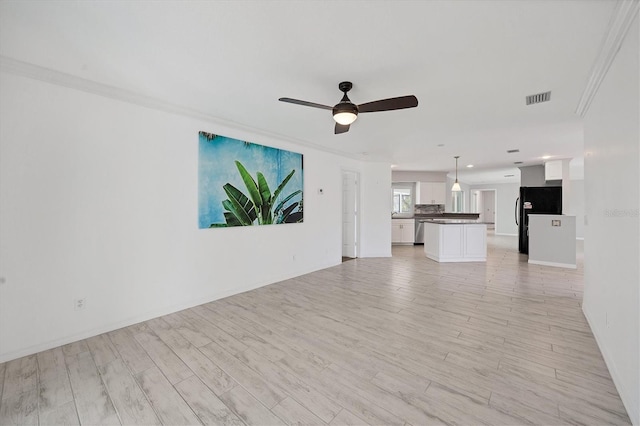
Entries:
{"x":396,"y":341}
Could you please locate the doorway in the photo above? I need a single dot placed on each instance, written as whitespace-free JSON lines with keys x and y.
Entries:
{"x":485,"y":203}
{"x":350,"y":214}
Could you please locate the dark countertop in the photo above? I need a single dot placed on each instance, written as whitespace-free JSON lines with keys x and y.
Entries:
{"x":440,"y":216}
{"x":451,"y":221}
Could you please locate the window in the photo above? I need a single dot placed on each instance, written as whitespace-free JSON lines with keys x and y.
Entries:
{"x":402,"y":199}
{"x":457,"y":201}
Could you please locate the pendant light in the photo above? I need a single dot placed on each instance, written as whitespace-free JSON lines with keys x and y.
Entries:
{"x":456,"y":185}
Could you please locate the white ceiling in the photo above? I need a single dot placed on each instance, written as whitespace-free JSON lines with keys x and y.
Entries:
{"x":470,"y":63}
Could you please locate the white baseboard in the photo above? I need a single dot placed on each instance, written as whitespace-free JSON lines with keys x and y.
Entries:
{"x":555,"y":264}
{"x":632,"y":407}
{"x":506,"y":235}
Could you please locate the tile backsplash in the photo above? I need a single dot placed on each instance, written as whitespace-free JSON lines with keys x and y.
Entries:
{"x":428,"y":208}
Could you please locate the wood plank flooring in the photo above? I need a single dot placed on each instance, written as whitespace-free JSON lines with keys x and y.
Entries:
{"x":395,"y":341}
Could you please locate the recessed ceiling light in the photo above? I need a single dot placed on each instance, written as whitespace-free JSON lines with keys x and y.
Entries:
{"x":469,"y":166}
{"x":546,"y":157}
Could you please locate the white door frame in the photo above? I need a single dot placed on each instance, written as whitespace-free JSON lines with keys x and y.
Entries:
{"x":495,"y":204}
{"x":356,"y":238}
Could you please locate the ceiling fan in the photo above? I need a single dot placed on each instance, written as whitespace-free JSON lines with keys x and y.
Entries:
{"x":345,"y":112}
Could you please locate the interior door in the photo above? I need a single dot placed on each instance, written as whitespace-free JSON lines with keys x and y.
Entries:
{"x":349,"y":214}
{"x":489,"y":205}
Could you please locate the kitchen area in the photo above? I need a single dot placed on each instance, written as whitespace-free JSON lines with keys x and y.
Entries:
{"x":428,"y":213}
{"x":446,"y":235}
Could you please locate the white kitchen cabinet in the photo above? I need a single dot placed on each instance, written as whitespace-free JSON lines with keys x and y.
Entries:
{"x":433,"y":193}
{"x":553,"y":170}
{"x":455,"y":242}
{"x":402,"y":231}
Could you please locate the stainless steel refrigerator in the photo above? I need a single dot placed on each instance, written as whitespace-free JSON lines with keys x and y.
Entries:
{"x":535,"y":200}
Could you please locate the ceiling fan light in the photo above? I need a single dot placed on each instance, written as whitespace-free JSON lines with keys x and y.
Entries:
{"x":345,"y":113}
{"x":345,"y":118}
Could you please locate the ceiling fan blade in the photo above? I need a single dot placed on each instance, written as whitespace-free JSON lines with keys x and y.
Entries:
{"x":304,"y":103}
{"x":341,"y":128}
{"x":390,"y":104}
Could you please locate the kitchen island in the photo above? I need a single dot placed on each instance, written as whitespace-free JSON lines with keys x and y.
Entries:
{"x":450,"y":240}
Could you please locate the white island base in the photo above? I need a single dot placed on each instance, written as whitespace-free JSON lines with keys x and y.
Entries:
{"x":455,"y":241}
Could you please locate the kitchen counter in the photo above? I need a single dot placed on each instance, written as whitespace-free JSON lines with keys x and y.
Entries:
{"x":455,"y":240}
{"x":552,"y":240}
{"x":440,"y":216}
{"x":447,"y":221}
{"x":471,"y":216}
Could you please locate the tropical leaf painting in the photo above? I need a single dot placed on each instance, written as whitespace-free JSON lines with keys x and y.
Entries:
{"x":245,"y":184}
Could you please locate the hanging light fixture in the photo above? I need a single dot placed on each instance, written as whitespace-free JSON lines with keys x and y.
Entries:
{"x":345,"y":112}
{"x":456,"y":185}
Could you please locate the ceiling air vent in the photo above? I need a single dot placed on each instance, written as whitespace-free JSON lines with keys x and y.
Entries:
{"x":539,"y":97}
{"x":517,"y":162}
{"x":512,"y":151}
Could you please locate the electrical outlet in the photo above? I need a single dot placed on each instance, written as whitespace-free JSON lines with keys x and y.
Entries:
{"x":79,"y":304}
{"x":294,"y":257}
{"x":606,"y":319}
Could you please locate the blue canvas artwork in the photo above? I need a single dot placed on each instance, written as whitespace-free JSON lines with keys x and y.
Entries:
{"x":245,"y":184}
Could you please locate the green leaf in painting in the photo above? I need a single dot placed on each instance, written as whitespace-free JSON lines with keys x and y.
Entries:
{"x":294,"y":218}
{"x":280,"y":187}
{"x":251,"y":185}
{"x":243,"y":210}
{"x":283,"y":202}
{"x":286,"y":212}
{"x":231,"y":219}
{"x":239,"y":205}
{"x":265,"y":194}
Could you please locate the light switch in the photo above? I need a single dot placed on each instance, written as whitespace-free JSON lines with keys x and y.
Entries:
{"x":556,"y":222}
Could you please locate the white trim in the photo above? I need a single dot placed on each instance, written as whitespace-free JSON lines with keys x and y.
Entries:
{"x":357,"y":212}
{"x":28,"y":70}
{"x":619,"y":24}
{"x":505,"y":235}
{"x":631,"y":407}
{"x":555,"y":264}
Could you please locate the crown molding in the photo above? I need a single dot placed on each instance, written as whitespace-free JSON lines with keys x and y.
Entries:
{"x":619,"y":24}
{"x":25,"y":69}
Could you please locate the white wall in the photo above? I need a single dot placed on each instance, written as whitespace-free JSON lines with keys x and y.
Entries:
{"x":415,"y":176}
{"x":506,"y":195}
{"x":375,"y":214}
{"x":612,"y":163}
{"x":99,"y":201}
{"x":577,"y":205}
